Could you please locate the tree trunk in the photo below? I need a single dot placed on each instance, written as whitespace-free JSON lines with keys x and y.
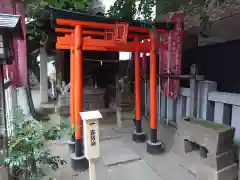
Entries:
{"x":43,"y":76}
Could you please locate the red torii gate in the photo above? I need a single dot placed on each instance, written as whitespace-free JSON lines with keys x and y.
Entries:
{"x":118,"y":36}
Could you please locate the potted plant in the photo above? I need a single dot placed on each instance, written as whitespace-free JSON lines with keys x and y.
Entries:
{"x":27,"y":151}
{"x":69,"y":132}
{"x":71,"y":139}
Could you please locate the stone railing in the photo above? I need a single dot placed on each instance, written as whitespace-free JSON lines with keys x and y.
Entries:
{"x":212,"y":105}
{"x":225,"y":109}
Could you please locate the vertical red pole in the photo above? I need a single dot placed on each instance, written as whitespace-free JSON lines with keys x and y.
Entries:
{"x":153,"y":89}
{"x":78,"y":54}
{"x":137,"y":86}
{"x":72,"y":95}
{"x":153,"y":146}
{"x":138,"y":135}
{"x":144,"y":71}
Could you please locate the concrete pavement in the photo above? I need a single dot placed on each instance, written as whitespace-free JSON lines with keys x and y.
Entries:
{"x":123,"y":159}
{"x":120,"y":157}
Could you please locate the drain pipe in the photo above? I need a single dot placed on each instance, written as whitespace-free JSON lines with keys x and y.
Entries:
{"x":30,"y":103}
{"x":36,"y":115}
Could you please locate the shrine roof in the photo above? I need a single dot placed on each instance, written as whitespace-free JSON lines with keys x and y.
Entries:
{"x":11,"y":23}
{"x":57,"y":13}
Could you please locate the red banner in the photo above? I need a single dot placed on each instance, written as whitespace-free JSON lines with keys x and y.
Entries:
{"x":172,"y":58}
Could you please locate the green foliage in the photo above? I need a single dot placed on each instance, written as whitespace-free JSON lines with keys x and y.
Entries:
{"x":132,"y":9}
{"x":143,"y":10}
{"x":191,"y":8}
{"x":38,"y":16}
{"x":38,"y":25}
{"x":69,"y":131}
{"x":116,"y":10}
{"x":27,"y":148}
{"x":95,"y":6}
{"x":67,"y":4}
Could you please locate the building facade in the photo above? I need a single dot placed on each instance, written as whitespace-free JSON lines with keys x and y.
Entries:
{"x":18,"y":70}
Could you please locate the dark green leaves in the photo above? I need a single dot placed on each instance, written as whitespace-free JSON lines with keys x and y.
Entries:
{"x":132,"y":9}
{"x":27,"y":147}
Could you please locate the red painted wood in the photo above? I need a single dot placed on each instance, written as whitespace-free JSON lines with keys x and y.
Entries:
{"x":18,"y":70}
{"x":171,"y":87}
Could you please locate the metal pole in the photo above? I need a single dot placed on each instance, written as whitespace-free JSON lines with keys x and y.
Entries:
{"x":168,"y":71}
{"x":193,"y":92}
{"x":145,"y":96}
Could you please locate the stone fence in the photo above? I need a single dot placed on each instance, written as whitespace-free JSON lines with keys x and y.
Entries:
{"x":212,"y":105}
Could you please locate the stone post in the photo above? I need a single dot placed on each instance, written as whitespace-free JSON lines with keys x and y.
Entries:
{"x":171,"y":110}
{"x":14,"y":107}
{"x":206,"y":108}
{"x":163,"y":106}
{"x":193,"y":92}
{"x":119,"y":118}
{"x":43,"y":76}
{"x":181,"y":108}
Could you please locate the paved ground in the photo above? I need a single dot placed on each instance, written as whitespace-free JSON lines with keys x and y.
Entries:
{"x":120,"y":157}
{"x":123,"y":159}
